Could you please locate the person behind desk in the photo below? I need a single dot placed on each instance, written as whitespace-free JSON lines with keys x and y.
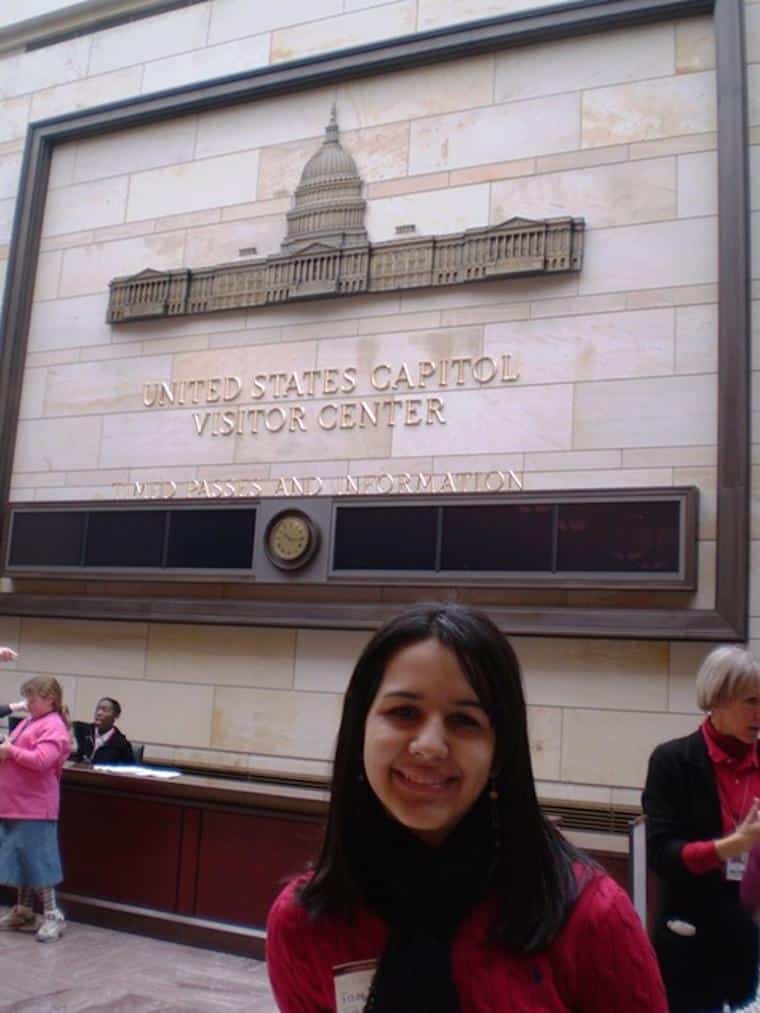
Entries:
{"x":101,"y":741}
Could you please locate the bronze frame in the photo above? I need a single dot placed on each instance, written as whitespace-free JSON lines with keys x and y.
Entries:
{"x":728,"y":620}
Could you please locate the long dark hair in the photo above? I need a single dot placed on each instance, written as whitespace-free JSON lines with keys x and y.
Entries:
{"x":533,"y":877}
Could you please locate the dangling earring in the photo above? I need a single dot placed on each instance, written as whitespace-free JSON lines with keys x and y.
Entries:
{"x":493,"y":795}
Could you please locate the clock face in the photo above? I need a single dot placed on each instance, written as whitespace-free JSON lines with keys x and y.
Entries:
{"x":290,"y":540}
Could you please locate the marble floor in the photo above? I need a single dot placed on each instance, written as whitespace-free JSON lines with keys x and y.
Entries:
{"x":96,"y":970}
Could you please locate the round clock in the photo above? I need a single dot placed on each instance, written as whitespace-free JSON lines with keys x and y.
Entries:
{"x":291,"y":539}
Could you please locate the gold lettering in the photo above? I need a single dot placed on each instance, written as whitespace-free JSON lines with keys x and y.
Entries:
{"x":347,"y":420}
{"x":293,"y":384}
{"x":481,"y":376}
{"x":434,"y":411}
{"x":322,"y":417}
{"x":348,"y":386}
{"x":232,"y":387}
{"x":402,"y":377}
{"x":425,"y":369}
{"x":214,"y":390}
{"x":403,"y":481}
{"x":385,"y":483}
{"x":514,"y":480}
{"x":375,"y":378}
{"x":329,"y":381}
{"x":448,"y":484}
{"x":296,"y":419}
{"x":507,"y":376}
{"x":274,"y":419}
{"x":366,"y":410}
{"x":200,"y":425}
{"x":412,"y":416}
{"x":150,"y":394}
{"x":460,"y":362}
{"x":259,"y":386}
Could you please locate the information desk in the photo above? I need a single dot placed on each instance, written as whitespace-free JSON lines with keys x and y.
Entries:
{"x":196,"y":859}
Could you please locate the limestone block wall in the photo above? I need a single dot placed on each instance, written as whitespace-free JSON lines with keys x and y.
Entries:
{"x":617,"y":365}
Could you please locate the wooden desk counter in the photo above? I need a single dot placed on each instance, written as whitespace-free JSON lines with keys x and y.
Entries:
{"x":195,"y":859}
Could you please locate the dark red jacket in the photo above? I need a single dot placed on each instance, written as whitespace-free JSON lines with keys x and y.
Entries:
{"x":601,"y":961}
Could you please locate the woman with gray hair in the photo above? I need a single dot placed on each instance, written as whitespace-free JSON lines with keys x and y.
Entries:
{"x":701,"y":803}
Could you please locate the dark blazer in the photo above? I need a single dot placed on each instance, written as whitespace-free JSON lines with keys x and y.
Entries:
{"x":117,"y":750}
{"x":719,"y":963}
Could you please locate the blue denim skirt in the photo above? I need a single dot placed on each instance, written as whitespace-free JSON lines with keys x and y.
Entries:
{"x":29,"y":853}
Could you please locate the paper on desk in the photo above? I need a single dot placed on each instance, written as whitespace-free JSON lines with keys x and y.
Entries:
{"x":117,"y":768}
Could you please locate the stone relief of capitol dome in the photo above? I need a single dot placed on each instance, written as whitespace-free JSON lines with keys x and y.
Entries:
{"x":327,"y":252}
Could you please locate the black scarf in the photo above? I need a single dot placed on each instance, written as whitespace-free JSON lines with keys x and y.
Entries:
{"x":423,"y":893}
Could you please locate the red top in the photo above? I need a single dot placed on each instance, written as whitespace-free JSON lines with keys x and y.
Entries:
{"x":737,"y":778}
{"x":601,"y":960}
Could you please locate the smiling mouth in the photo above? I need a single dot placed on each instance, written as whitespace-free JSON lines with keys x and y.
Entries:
{"x":425,"y":782}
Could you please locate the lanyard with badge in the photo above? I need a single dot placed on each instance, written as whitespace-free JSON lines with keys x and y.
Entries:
{"x":735,"y":867}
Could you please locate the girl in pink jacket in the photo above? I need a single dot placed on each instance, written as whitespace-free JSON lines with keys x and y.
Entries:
{"x":31,"y":761}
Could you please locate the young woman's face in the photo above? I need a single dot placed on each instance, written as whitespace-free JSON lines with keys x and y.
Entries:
{"x":38,"y":705}
{"x":428,"y":743}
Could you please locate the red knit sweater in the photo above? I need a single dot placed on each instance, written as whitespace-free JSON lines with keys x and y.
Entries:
{"x":601,"y":961}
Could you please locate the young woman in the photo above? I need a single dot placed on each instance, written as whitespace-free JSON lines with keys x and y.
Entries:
{"x":441,"y":887}
{"x":31,"y":761}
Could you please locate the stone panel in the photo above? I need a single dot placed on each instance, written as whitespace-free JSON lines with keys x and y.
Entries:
{"x":620,"y":194}
{"x":630,"y":54}
{"x":697,"y":339}
{"x":97,"y":388}
{"x":83,"y":647}
{"x":493,"y":421}
{"x":440,"y":13}
{"x":40,"y":68}
{"x":215,"y":244}
{"x":202,"y":64}
{"x":695,"y":45}
{"x":14,"y":116}
{"x":87,"y":270}
{"x":221,"y":655}
{"x":135,"y":150}
{"x":268,"y":121}
{"x":231,"y":179}
{"x":637,"y":413}
{"x":615,"y":745}
{"x":145,"y":439}
{"x":545,"y":738}
{"x":698,"y":184}
{"x":160,"y":712}
{"x":495,"y":134}
{"x":33,"y":394}
{"x":67,"y":98}
{"x":436,"y":211}
{"x":325,"y":659}
{"x":613,"y":479}
{"x":596,"y":347}
{"x":685,"y":660}
{"x":294,"y":724}
{"x":149,"y":38}
{"x":647,"y":110}
{"x":235,"y":19}
{"x":411,"y":94}
{"x":48,"y":274}
{"x":607,"y":674}
{"x":57,"y":444}
{"x":352,"y":29}
{"x":69,"y":323}
{"x":10,"y":170}
{"x":85,"y":206}
{"x":651,"y":256}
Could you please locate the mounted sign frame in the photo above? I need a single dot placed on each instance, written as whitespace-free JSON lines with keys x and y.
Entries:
{"x":728,"y":619}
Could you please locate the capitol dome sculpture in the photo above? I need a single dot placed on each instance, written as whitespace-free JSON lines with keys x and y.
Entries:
{"x":326,"y":252}
{"x":328,"y":206}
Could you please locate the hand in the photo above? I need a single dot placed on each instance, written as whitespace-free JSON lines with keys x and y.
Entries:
{"x":744,"y":837}
{"x":7,"y":654}
{"x":17,"y":705}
